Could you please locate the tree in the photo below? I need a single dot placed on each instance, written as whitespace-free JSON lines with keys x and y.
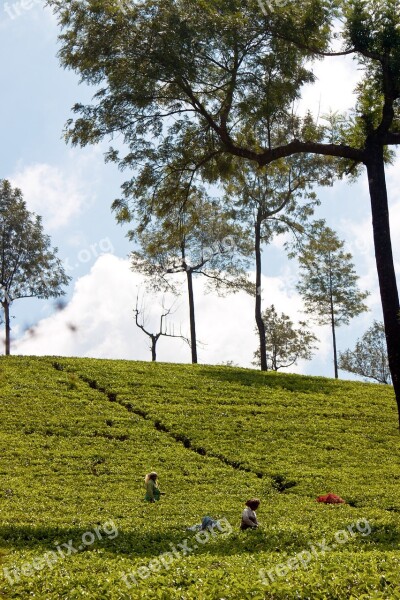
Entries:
{"x":140,"y":320}
{"x":273,"y":201}
{"x":369,"y":357}
{"x":196,"y":238}
{"x":29,"y":267}
{"x":205,"y":78}
{"x":328,"y":282}
{"x":285,"y":345}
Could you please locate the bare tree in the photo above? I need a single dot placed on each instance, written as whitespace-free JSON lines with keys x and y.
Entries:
{"x":196,"y":237}
{"x":140,"y":320}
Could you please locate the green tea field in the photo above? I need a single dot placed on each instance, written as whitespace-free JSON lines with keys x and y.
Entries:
{"x":77,"y":437}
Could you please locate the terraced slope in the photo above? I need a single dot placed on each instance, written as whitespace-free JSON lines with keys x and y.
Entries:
{"x":77,"y":436}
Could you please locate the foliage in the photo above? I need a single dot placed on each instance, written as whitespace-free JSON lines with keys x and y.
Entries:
{"x":372,"y":29}
{"x":191,"y":84}
{"x":198,"y":237}
{"x":184,"y":81}
{"x":210,"y":80}
{"x":272,"y":201}
{"x":328,"y":282}
{"x":369,"y":357}
{"x":29,"y":267}
{"x":75,"y":456}
{"x":285,"y":345}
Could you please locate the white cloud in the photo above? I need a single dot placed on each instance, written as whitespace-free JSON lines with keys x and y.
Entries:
{"x":56,"y":195}
{"x":334,"y":87}
{"x":99,"y":320}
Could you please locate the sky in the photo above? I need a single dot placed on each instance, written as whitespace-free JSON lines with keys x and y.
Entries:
{"x":72,"y":189}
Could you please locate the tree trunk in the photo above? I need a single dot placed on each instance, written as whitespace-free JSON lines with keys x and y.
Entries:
{"x":384,"y":263}
{"x":153,"y":348}
{"x":6,"y":306}
{"x":335,"y":363}
{"x":258,"y":307}
{"x":189,"y":275}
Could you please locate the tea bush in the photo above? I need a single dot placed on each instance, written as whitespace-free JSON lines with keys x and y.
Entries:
{"x":78,"y":435}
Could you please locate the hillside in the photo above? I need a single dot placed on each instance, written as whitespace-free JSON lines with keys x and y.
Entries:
{"x":78,"y":435}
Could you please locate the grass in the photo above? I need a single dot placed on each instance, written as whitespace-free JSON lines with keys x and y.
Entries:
{"x":78,"y":435}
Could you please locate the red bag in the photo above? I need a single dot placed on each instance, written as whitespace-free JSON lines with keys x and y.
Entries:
{"x":331,"y":499}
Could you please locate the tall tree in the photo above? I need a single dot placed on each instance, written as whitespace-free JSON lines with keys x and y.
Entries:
{"x":205,"y":78}
{"x":369,"y":357}
{"x":273,"y":201}
{"x":29,"y":267}
{"x":198,"y":238}
{"x":285,"y":344}
{"x":328,"y":282}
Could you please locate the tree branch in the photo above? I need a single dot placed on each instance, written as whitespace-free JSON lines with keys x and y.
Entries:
{"x":392,"y":139}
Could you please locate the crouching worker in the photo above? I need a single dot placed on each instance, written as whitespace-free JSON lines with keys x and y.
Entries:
{"x":249,"y":517}
{"x":152,"y":491}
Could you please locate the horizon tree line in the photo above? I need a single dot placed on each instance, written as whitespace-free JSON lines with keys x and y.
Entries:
{"x":30,"y":268}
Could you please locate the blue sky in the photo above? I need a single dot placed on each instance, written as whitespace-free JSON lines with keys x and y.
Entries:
{"x":73,"y":189}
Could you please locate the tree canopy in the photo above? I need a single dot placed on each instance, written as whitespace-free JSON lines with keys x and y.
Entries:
{"x":197,"y":237}
{"x":191,"y":84}
{"x":285,"y":344}
{"x":369,"y":357}
{"x":29,"y":267}
{"x":328,"y":281}
{"x":223,"y":75}
{"x":270,"y":201}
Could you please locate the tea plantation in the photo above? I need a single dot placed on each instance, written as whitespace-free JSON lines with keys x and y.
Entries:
{"x":78,"y":435}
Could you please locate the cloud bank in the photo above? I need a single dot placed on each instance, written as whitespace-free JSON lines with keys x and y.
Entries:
{"x":99,"y":321}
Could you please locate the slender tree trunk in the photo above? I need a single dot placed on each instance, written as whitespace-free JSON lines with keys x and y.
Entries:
{"x":258,"y":307}
{"x":6,"y":306}
{"x":384,"y":263}
{"x":335,"y":363}
{"x":153,"y":348}
{"x":193,"y":344}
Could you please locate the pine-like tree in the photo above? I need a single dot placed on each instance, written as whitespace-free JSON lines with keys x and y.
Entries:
{"x":328,"y":281}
